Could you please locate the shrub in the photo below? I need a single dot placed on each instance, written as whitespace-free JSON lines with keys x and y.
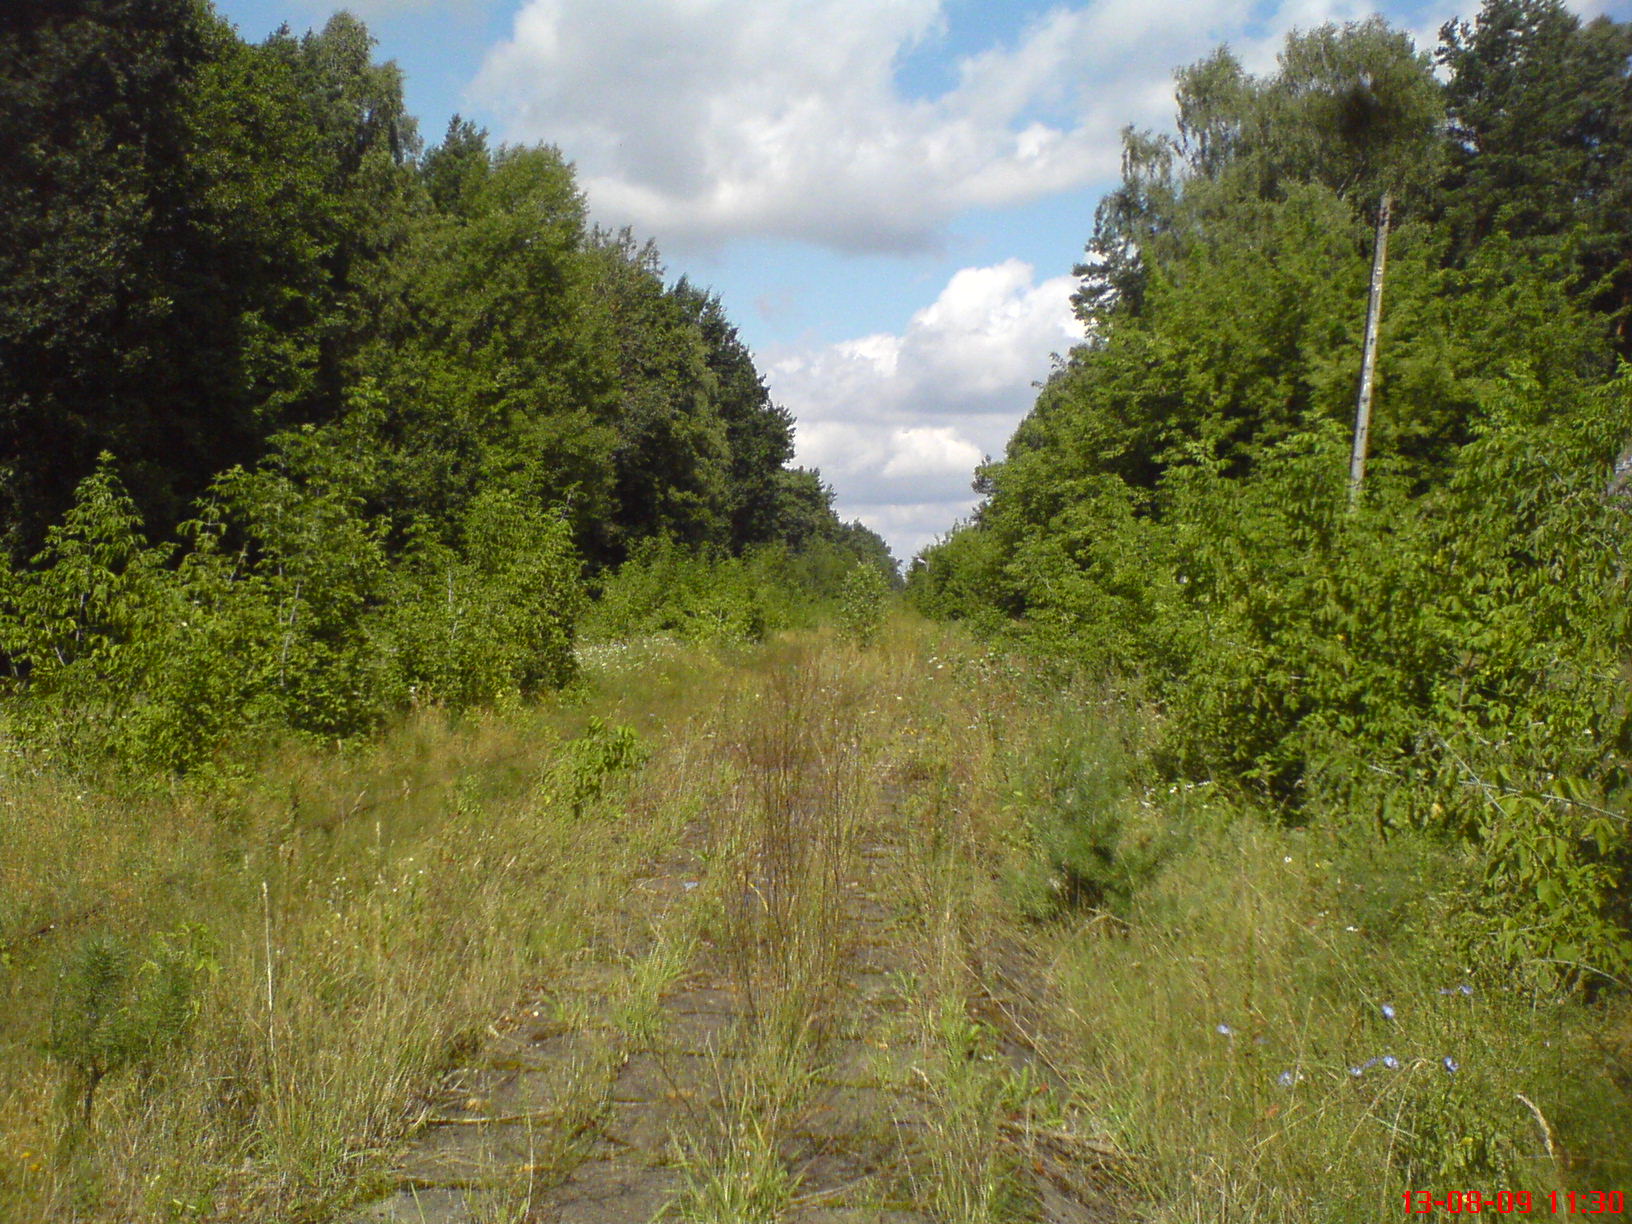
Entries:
{"x":665,"y":588}
{"x":116,"y":1008}
{"x":286,"y":610}
{"x":495,"y":615}
{"x":861,"y":603}
{"x":591,"y":762}
{"x":1096,"y":838}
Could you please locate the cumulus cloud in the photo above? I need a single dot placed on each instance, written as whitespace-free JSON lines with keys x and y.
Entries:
{"x":930,"y":452}
{"x":701,"y":120}
{"x":898,"y":422}
{"x":377,"y":10}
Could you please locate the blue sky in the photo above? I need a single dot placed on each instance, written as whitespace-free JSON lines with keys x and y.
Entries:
{"x":888,"y":194}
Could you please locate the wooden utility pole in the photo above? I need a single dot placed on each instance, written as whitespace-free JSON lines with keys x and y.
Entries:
{"x":1368,"y":363}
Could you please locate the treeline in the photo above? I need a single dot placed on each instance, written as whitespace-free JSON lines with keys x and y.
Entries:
{"x":1444,"y":652}
{"x":300,"y":420}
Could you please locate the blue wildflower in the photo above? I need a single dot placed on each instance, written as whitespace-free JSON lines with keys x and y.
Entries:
{"x":1388,"y":1011}
{"x":1389,"y":1061}
{"x":1450,"y":1064}
{"x":1286,"y":1079}
{"x":1225,"y":1030}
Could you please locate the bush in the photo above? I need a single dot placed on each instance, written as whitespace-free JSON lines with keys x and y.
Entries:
{"x":861,"y":603}
{"x":1448,"y":656}
{"x":592,"y":762}
{"x":495,"y":615}
{"x":1097,"y":837}
{"x":117,"y":1009}
{"x":305,"y":621}
{"x":666,"y":588}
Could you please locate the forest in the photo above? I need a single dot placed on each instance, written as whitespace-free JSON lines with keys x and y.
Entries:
{"x":1441,"y":648}
{"x":456,"y":769}
{"x":304,"y":421}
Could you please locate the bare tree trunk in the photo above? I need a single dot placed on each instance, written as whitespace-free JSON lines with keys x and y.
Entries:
{"x":1368,"y":363}
{"x":1620,"y":480}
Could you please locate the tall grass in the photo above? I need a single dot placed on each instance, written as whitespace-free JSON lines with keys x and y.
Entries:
{"x":1281,"y":1024}
{"x":1197,"y":986}
{"x":371,"y":912}
{"x":785,"y":843}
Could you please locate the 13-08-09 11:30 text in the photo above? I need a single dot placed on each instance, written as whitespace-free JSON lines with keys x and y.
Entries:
{"x":1517,"y":1202}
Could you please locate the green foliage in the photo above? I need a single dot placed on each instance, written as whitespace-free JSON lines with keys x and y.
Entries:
{"x":758,"y":433}
{"x":1457,"y":1129}
{"x":117,"y":1008}
{"x":1357,"y":1058}
{"x":318,"y":562}
{"x":165,"y":243}
{"x":593,"y":762}
{"x":74,"y":620}
{"x":378,"y":408}
{"x":311,"y":624}
{"x":1447,"y":656}
{"x":960,"y":578}
{"x":1352,"y":109}
{"x":1541,"y":118}
{"x":672,"y":460}
{"x":665,"y":588}
{"x":231,"y":267}
{"x":1097,"y":839}
{"x":492,"y":616}
{"x":862,"y":602}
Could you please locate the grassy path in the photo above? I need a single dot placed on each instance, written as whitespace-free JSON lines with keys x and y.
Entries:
{"x":736,"y":937}
{"x":807,"y":1008}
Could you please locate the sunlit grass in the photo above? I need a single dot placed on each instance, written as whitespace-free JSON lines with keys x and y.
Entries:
{"x":373,"y":911}
{"x":1274,"y":1045}
{"x":1206,"y":982}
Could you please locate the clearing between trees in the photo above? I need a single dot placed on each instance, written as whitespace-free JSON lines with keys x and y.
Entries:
{"x":805,"y":1004}
{"x":795,"y":932}
{"x":787,"y":932}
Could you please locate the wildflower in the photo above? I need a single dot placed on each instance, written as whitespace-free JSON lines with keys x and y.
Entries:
{"x":1225,"y":1030}
{"x":1450,"y":1064}
{"x":1387,"y":1060}
{"x":1388,"y":1011}
{"x":1287,"y":1078}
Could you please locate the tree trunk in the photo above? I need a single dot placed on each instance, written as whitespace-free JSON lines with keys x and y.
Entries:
{"x":1368,"y":363}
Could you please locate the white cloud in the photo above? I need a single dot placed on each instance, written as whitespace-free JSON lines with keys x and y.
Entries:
{"x":376,"y":10}
{"x":898,"y":423}
{"x":928,"y":452}
{"x":701,"y":120}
